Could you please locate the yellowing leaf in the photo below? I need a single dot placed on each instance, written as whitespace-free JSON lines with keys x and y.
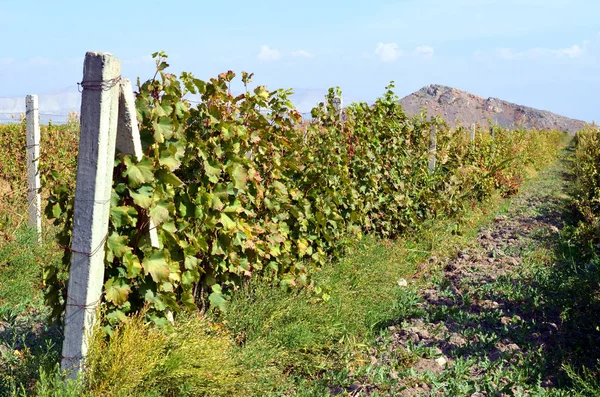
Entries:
{"x":227,"y":222}
{"x":117,"y":291}
{"x":239,"y":176}
{"x":142,"y":197}
{"x":156,"y":266}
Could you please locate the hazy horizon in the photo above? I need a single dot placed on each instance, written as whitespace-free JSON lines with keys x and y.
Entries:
{"x":541,"y":54}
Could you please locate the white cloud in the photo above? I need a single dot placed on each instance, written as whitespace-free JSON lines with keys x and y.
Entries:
{"x":302,"y":54}
{"x":425,"y":51}
{"x":6,"y":60}
{"x":268,"y":54}
{"x":575,"y":51}
{"x":387,"y":52}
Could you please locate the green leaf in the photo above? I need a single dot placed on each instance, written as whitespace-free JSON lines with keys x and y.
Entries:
{"x":142,"y":197}
{"x":117,"y":291}
{"x":160,"y":212}
{"x":132,"y":264}
{"x":123,"y":216}
{"x":156,"y":266}
{"x":169,"y":160}
{"x":216,"y":297}
{"x":227,"y":222}
{"x":163,"y":129}
{"x":117,"y":246}
{"x":169,"y":177}
{"x":212,"y":170}
{"x":138,"y":173}
{"x":189,"y":277}
{"x":56,"y":210}
{"x":164,"y":108}
{"x":239,"y":176}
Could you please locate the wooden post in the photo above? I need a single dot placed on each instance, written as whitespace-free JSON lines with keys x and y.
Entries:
{"x":432,"y":148}
{"x":95,"y":163}
{"x":33,"y":155}
{"x":472,"y":138}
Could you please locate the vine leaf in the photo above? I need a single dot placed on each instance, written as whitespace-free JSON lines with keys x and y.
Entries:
{"x":138,"y":173}
{"x":216,"y":298}
{"x":117,"y":291}
{"x":156,"y":266}
{"x":142,"y":197}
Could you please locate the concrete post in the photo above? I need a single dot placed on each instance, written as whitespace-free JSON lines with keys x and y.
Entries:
{"x":33,"y":155}
{"x":473,"y":129}
{"x":338,"y":103}
{"x":95,"y":163}
{"x":432,"y":148}
{"x":129,"y":142}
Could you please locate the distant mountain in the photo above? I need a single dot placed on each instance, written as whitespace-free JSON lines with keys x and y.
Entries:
{"x":452,"y":104}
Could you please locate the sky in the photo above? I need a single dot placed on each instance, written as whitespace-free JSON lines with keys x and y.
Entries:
{"x":539,"y":53}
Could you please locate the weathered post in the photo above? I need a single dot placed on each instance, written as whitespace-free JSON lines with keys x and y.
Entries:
{"x":473,"y":128}
{"x":99,"y":112}
{"x":432,"y":148}
{"x":33,"y":155}
{"x":129,"y":142}
{"x":338,"y":105}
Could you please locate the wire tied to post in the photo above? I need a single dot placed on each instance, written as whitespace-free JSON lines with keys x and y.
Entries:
{"x":103,"y":85}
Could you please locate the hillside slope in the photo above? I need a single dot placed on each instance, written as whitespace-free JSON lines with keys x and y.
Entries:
{"x":453,"y":104}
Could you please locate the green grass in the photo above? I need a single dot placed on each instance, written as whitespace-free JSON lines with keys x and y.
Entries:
{"x":326,"y":332}
{"x":20,"y":270}
{"x":28,"y":345}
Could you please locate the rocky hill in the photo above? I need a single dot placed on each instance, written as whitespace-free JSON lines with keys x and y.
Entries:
{"x":455,"y":105}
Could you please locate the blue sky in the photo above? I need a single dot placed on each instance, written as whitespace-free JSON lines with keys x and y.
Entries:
{"x":540,"y":53}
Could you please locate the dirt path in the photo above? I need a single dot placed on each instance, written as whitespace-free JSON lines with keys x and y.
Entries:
{"x":501,"y":320}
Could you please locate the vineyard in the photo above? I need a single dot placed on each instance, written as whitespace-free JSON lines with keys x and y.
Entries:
{"x":285,"y":246}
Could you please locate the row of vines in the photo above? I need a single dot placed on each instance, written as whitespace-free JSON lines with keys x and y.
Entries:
{"x":241,"y":187}
{"x":587,"y":181}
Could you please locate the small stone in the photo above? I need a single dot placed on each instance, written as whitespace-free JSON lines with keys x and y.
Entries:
{"x":547,"y":383}
{"x":513,"y":347}
{"x":441,"y":361}
{"x":477,"y":394}
{"x":402,"y":283}
{"x":423,"y":334}
{"x":457,"y":340}
{"x":414,"y":337}
{"x":488,"y":304}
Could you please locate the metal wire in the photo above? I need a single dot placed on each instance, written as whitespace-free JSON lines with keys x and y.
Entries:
{"x":103,"y":85}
